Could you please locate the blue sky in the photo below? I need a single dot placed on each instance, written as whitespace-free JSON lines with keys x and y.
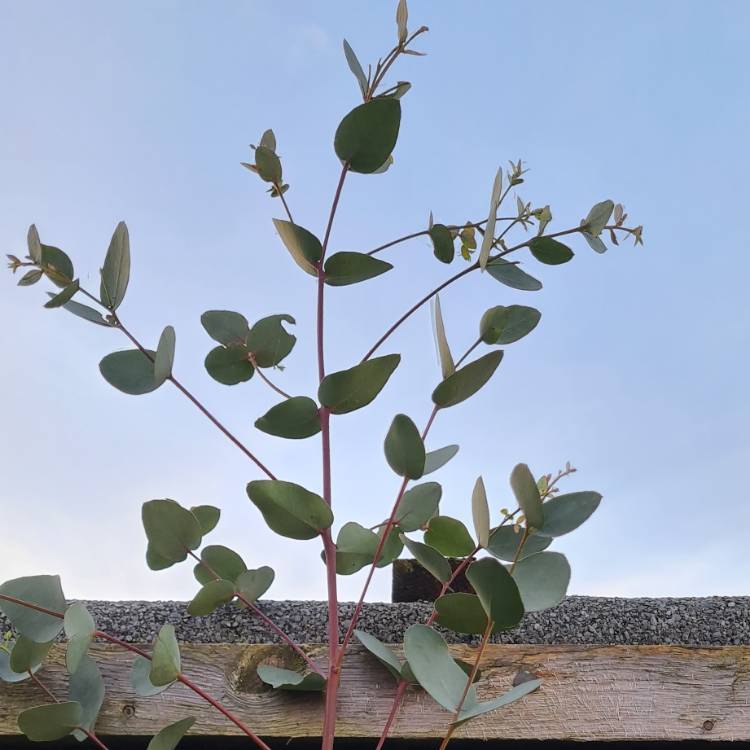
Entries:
{"x":637,"y":373}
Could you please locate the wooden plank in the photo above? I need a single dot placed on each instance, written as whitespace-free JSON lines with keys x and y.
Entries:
{"x":589,"y":693}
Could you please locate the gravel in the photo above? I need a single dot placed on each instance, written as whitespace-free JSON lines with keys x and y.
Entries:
{"x":708,"y":621}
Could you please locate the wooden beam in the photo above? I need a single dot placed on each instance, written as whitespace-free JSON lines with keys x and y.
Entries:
{"x":588,"y":693}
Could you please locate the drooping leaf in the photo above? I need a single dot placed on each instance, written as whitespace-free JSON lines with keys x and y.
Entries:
{"x":130,"y":371}
{"x":429,"y":558}
{"x":295,"y":418}
{"x":57,"y":266}
{"x":497,"y":591}
{"x":304,"y":246}
{"x":289,"y":509}
{"x":519,"y":691}
{"x":449,"y":537}
{"x":211,"y":596}
{"x":165,"y":657}
{"x":368,"y":134}
{"x":31,"y":277}
{"x":489,"y":230}
{"x":381,"y":652}
{"x":404,"y":449}
{"x":27,"y":655}
{"x":525,"y":489}
{"x":164,"y":358}
{"x":287,"y":679}
{"x":351,"y":389}
{"x":462,"y":613}
{"x":480,"y":511}
{"x":84,"y":311}
{"x":418,"y":505}
{"x":141,"y":681}
{"x":269,"y":341}
{"x":252,"y":584}
{"x":505,"y":325}
{"x":171,"y":530}
{"x":61,"y":298}
{"x":268,"y":140}
{"x":207,"y":515}
{"x":442,"y":243}
{"x":268,"y":165}
{"x":598,"y":217}
{"x":79,"y":629}
{"x":87,"y":689}
{"x":169,"y":737}
{"x":447,"y":366}
{"x":344,"y":268}
{"x":564,"y":513}
{"x":229,"y":365}
{"x":434,"y":668}
{"x":44,"y":591}
{"x":467,"y":380}
{"x":218,"y":561}
{"x":7,"y":674}
{"x":436,"y":459}
{"x":355,"y":67}
{"x":116,"y":268}
{"x":595,"y":243}
{"x":504,"y":542}
{"x":226,"y":327}
{"x":550,"y":251}
{"x":511,"y":275}
{"x":542,"y":580}
{"x":50,"y":722}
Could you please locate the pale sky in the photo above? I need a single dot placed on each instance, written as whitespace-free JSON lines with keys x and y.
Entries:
{"x":637,"y":373}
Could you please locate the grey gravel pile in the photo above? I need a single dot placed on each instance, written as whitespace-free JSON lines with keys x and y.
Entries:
{"x":578,"y":620}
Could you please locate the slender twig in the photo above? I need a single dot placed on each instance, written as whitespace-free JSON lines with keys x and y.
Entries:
{"x":468,"y":352}
{"x":391,"y":58}
{"x":266,"y":379}
{"x":283,"y":200}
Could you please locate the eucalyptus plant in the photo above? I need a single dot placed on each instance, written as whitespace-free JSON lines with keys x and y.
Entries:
{"x":504,"y":557}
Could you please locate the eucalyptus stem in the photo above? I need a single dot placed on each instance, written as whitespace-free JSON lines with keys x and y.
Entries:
{"x":267,"y":380}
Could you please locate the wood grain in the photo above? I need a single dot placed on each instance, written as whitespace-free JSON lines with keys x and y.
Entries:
{"x":588,"y":693}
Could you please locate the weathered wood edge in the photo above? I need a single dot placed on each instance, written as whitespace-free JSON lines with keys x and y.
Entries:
{"x":588,"y":693}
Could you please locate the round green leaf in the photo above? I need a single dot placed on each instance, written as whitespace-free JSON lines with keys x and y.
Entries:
{"x":430,"y":559}
{"x":404,"y":449}
{"x":549,"y":251}
{"x":542,"y":580}
{"x":57,"y":266}
{"x":226,"y":327}
{"x":269,"y":341}
{"x":304,"y":246}
{"x":286,"y":679}
{"x":50,"y":722}
{"x":368,"y":134}
{"x":212,"y":595}
{"x":564,"y":513}
{"x":355,"y":548}
{"x":169,"y":737}
{"x":116,"y":268}
{"x":171,"y":529}
{"x":436,"y":459}
{"x":356,"y":387}
{"x":504,"y":325}
{"x":504,"y":542}
{"x":268,"y":164}
{"x":165,"y":658}
{"x":9,"y":675}
{"x":466,"y":381}
{"x":449,"y":537}
{"x":595,"y":243}
{"x":27,"y":655}
{"x":381,"y":652}
{"x":223,"y":562}
{"x":392,"y":548}
{"x":418,"y":505}
{"x":497,"y":591}
{"x":295,"y":418}
{"x":44,"y":591}
{"x":598,"y":217}
{"x":511,"y":275}
{"x":207,"y":516}
{"x":252,"y":584}
{"x":140,"y":680}
{"x":289,"y":509}
{"x":130,"y":371}
{"x":434,"y":668}
{"x":461,"y":613}
{"x":87,"y":688}
{"x":442,"y":243}
{"x":79,"y":629}
{"x":229,"y":365}
{"x":345,"y":268}
{"x":164,"y":358}
{"x":525,"y":489}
